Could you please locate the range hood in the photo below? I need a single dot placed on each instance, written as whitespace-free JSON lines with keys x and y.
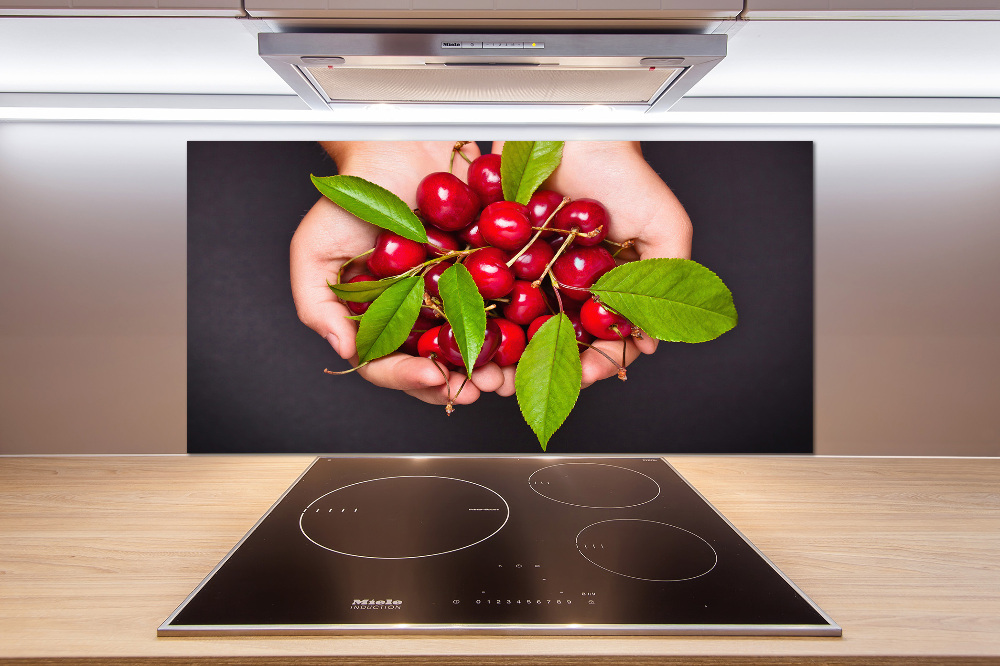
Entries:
{"x":646,"y":70}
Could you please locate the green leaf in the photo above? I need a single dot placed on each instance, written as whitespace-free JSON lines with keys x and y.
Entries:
{"x":670,"y":299}
{"x":548,"y":377}
{"x":373,"y":204}
{"x":525,"y":165}
{"x":389,"y":319}
{"x":362,"y":292}
{"x":465,"y":311}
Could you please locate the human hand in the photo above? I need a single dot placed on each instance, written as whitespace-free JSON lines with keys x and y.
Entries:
{"x":329,"y":236}
{"x":640,"y":207}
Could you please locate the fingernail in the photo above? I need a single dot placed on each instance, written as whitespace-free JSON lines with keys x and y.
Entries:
{"x":334,"y":342}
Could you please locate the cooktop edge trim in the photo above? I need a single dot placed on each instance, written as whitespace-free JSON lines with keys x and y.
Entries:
{"x":204,"y":581}
{"x":833,"y":625}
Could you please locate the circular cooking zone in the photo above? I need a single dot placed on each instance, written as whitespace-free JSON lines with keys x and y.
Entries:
{"x":646,"y":550}
{"x":404,"y":517}
{"x":594,"y":485}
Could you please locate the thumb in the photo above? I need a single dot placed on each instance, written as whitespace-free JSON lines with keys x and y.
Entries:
{"x":329,"y":319}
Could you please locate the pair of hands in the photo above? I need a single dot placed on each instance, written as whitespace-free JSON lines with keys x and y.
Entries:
{"x":640,"y":207}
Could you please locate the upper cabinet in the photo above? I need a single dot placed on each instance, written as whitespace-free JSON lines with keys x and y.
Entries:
{"x":231,"y":8}
{"x":873,"y":9}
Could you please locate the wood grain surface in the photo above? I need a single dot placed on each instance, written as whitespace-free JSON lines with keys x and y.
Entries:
{"x":904,"y":553}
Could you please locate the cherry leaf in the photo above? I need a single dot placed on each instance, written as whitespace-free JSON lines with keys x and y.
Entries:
{"x":547,"y":381}
{"x":373,"y":204}
{"x":389,"y":319}
{"x":362,"y":292}
{"x":465,"y":311}
{"x":524,"y":165}
{"x":670,"y":299}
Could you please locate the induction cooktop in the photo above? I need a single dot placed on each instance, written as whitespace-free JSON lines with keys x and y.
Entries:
{"x":495,"y":545}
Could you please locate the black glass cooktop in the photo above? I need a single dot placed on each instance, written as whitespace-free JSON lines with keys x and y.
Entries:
{"x":532,"y":545}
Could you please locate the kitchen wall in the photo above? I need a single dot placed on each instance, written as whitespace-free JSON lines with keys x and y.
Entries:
{"x":92,"y":262}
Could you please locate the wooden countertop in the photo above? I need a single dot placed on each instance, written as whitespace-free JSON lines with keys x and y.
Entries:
{"x":903,"y":553}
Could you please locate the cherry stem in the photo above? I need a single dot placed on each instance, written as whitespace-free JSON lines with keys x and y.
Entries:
{"x":340,"y":271}
{"x":625,"y":244}
{"x":566,"y":243}
{"x":449,"y":407}
{"x":605,"y":355}
{"x":555,"y":289}
{"x":457,"y":149}
{"x":538,"y":231}
{"x":581,"y":234}
{"x":459,"y":392}
{"x":345,"y":372}
{"x":621,"y":370}
{"x":430,"y":303}
{"x":436,"y":260}
{"x":621,"y":246}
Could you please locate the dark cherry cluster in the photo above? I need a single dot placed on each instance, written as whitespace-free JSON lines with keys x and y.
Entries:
{"x":507,"y":248}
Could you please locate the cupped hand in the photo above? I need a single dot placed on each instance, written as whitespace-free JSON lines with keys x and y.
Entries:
{"x":329,"y":236}
{"x":641,"y":208}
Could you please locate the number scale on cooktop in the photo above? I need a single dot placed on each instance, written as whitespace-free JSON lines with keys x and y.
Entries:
{"x":495,"y":545}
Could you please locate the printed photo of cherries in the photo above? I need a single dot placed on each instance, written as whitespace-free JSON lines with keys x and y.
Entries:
{"x":503,"y":268}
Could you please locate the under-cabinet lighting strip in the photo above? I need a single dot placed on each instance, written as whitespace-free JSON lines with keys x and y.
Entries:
{"x":689,"y":111}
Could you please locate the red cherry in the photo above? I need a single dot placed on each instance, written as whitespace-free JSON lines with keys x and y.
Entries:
{"x":598,"y":320}
{"x":359,"y":308}
{"x":428,"y":344}
{"x":394,"y":254}
{"x":490,"y":272}
{"x":428,"y":313}
{"x":472,"y":235}
{"x":505,"y":225}
{"x":584,"y":215}
{"x":540,"y":206}
{"x":526,"y":303}
{"x":578,"y":268}
{"x":484,"y":178}
{"x":422,"y":324}
{"x":537,"y":324}
{"x":440,"y":243}
{"x":433,"y":276}
{"x":556,"y":241}
{"x":529,"y":266}
{"x":446,"y":202}
{"x":512,"y":343}
{"x":449,"y":348}
{"x":582,"y":336}
{"x":409,"y":346}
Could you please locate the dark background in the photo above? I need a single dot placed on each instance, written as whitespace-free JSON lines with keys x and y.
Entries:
{"x":255,"y":373}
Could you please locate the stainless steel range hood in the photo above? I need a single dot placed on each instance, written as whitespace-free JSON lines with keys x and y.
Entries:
{"x":650,"y":71}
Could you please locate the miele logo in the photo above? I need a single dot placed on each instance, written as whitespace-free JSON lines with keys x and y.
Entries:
{"x":451,"y":44}
{"x":376,"y":604}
